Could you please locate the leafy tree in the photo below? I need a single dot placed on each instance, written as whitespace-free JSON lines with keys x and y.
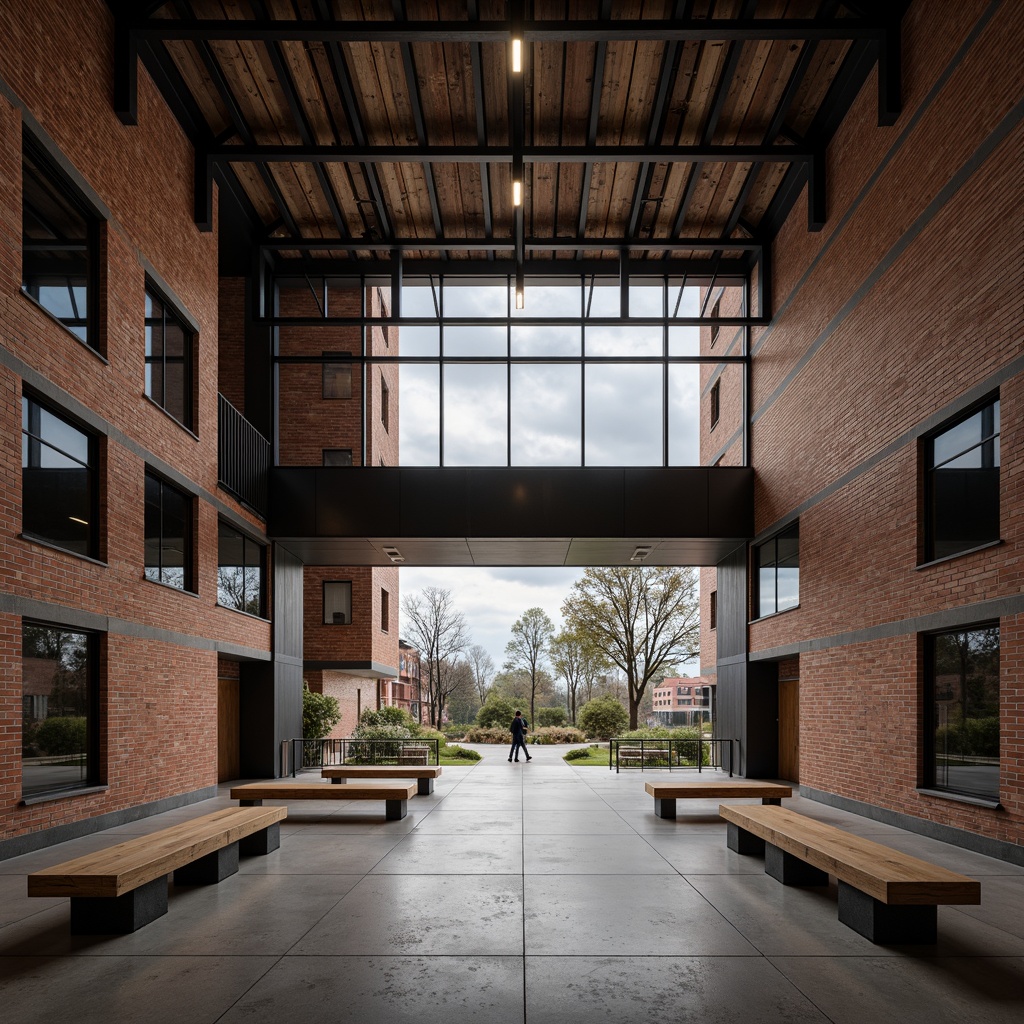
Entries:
{"x":320,"y":713}
{"x":496,"y":712}
{"x":483,"y":669}
{"x":551,"y":716}
{"x":462,"y":700}
{"x":439,"y":631}
{"x":603,"y":717}
{"x":579,"y":663}
{"x":390,"y":715}
{"x":527,"y":649}
{"x":639,"y":617}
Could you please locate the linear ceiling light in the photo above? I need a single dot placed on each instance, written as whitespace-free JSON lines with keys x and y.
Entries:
{"x":640,"y":553}
{"x":517,"y":56}
{"x":393,"y":553}
{"x":517,"y":193}
{"x":520,"y":289}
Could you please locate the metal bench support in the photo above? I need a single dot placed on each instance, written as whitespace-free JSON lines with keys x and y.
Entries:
{"x":119,"y":915}
{"x":263,"y":842}
{"x":739,"y":840}
{"x":395,"y":810}
{"x":665,"y":808}
{"x":211,"y":869}
{"x":790,"y":870}
{"x":884,"y":923}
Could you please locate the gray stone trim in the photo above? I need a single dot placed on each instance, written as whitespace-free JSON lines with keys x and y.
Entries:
{"x":78,"y":618}
{"x":169,"y":293}
{"x":948,"y":618}
{"x":40,"y":840}
{"x":1009,"y":852}
{"x":354,"y":667}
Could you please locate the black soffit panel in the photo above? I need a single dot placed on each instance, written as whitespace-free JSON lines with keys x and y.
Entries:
{"x":566,"y":516}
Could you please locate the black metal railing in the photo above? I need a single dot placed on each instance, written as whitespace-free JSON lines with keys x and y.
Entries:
{"x":243,"y":457}
{"x":698,"y":752}
{"x":304,"y":755}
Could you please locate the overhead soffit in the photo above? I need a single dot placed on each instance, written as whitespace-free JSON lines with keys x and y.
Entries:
{"x":637,"y":126}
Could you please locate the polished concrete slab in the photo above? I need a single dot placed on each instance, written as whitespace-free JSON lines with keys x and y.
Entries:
{"x":538,"y":892}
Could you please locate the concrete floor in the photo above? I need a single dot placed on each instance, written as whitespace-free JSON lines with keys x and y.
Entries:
{"x":532,"y":892}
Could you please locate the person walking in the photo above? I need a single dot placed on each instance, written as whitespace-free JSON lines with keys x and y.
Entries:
{"x":519,"y":729}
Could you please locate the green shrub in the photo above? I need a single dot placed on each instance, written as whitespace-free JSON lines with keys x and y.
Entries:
{"x":579,"y":754}
{"x":424,"y":732}
{"x":462,"y":753}
{"x":60,"y":736}
{"x":389,"y":716}
{"x":556,"y":734}
{"x":498,"y":711}
{"x":380,"y":751}
{"x":551,"y":716}
{"x":320,"y":713}
{"x":489,"y":735}
{"x":603,"y":717}
{"x":455,"y":730}
{"x":977,"y":737}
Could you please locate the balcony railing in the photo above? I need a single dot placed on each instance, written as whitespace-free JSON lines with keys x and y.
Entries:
{"x":243,"y":461}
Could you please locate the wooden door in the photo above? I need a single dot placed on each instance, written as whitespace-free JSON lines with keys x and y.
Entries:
{"x":789,"y":730}
{"x":228,"y":753}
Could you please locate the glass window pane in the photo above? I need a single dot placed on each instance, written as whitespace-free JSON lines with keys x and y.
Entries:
{"x":476,"y":300}
{"x":547,"y":340}
{"x":176,"y":530}
{"x":683,"y":302}
{"x":788,"y":587}
{"x":420,"y":422}
{"x":475,"y":415}
{"x":684,"y":415}
{"x":420,"y":341}
{"x":957,"y":439}
{"x":684,"y":341}
{"x":546,"y":423}
{"x":63,"y":435}
{"x":337,"y":603}
{"x":551,"y":301}
{"x":337,"y":456}
{"x":646,"y":300}
{"x":485,"y":340}
{"x":420,"y":300}
{"x":766,"y":592}
{"x":624,"y":415}
{"x":600,"y":300}
{"x":623,"y":341}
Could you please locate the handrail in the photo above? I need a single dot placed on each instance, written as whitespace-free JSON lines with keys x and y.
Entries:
{"x":306,"y":754}
{"x":675,"y":752}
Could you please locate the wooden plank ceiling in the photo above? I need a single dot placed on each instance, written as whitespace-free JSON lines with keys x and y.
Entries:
{"x":356,"y":123}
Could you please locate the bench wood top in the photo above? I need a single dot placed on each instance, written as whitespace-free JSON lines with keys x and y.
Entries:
{"x":119,"y":869}
{"x":320,"y":791}
{"x":382,"y":771}
{"x":714,"y":788}
{"x":887,"y":875}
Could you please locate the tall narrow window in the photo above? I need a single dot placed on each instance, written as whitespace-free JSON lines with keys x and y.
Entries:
{"x":962,"y":711}
{"x":240,"y":571}
{"x":385,"y":411}
{"x":59,"y":480}
{"x":336,"y":378}
{"x":385,"y":610}
{"x":713,"y":610}
{"x":777,"y":579}
{"x":715,"y":402}
{"x":170,"y":348}
{"x":962,"y":484}
{"x":337,"y":603}
{"x":715,"y":313}
{"x":168,"y":534}
{"x":59,"y":739}
{"x":59,"y":246}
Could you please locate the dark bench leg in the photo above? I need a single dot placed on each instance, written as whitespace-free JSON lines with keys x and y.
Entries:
{"x":774,"y":801}
{"x":883,"y":924}
{"x":336,"y":782}
{"x":395,"y":810}
{"x":211,"y":869}
{"x":263,"y":842}
{"x":250,"y":803}
{"x":790,"y":870}
{"x":739,"y":840}
{"x":424,"y":786}
{"x":119,"y":915}
{"x":664,"y":808}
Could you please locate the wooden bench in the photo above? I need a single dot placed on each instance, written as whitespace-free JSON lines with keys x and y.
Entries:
{"x":395,"y":796}
{"x":667,"y":793}
{"x":644,"y":755}
{"x":424,"y":775}
{"x":122,"y":888}
{"x":886,"y":896}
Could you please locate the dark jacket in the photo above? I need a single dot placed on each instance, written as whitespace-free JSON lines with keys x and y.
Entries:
{"x":519,"y":728}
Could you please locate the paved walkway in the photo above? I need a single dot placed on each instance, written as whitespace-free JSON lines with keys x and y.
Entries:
{"x":533,"y":892}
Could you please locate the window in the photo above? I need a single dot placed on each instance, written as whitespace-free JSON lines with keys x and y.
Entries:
{"x":59,"y":480}
{"x":962,"y":711}
{"x":59,"y":721}
{"x":385,"y":412}
{"x":337,"y":603}
{"x":337,"y":377}
{"x":60,"y":238}
{"x":715,"y":402}
{"x":168,"y":534}
{"x":962,"y":484}
{"x":713,"y":611}
{"x":170,"y":347}
{"x":777,"y":579}
{"x":715,"y":313}
{"x":240,"y":571}
{"x":385,"y":608}
{"x":337,"y":456}
{"x":682,"y":691}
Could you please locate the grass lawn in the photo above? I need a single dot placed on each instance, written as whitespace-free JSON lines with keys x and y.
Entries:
{"x":597,"y":756}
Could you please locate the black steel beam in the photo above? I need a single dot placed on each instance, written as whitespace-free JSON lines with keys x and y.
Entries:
{"x":890,"y":76}
{"x":600,"y":53}
{"x":546,"y":244}
{"x":476,"y":61}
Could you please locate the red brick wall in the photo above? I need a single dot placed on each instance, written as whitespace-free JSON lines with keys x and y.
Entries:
{"x":159,"y":697}
{"x":919,"y":315}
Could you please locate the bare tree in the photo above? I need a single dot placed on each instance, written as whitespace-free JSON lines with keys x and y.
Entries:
{"x":439,"y":631}
{"x":527,"y":649}
{"x":483,"y":669}
{"x":579,"y":663}
{"x":640,"y":618}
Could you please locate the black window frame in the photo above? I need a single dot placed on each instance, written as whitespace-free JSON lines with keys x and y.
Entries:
{"x":171,"y":315}
{"x":713,"y":610}
{"x":931,"y":716}
{"x":771,"y":546}
{"x":92,"y":775}
{"x":385,"y":611}
{"x":333,"y":621}
{"x":260,"y":607}
{"x":716,"y":403}
{"x":989,"y":444}
{"x":43,"y":168}
{"x":385,"y":405}
{"x":188,"y":541}
{"x":32,"y":439}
